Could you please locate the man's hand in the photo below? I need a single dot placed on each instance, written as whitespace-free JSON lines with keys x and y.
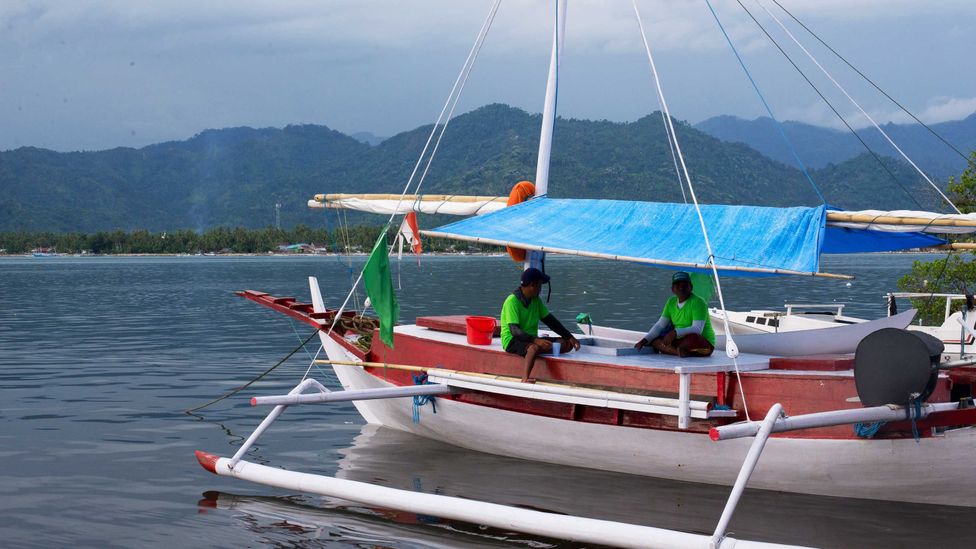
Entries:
{"x":574,"y":343}
{"x":641,"y":344}
{"x":669,"y":339}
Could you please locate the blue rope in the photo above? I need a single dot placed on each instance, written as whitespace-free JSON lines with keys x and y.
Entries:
{"x":422,"y":400}
{"x":762,"y":98}
{"x":867,"y":430}
{"x":916,"y":405}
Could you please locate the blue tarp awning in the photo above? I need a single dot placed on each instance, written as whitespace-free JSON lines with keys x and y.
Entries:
{"x":746,"y":239}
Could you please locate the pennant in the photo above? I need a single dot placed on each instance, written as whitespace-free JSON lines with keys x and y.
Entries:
{"x":379,"y":288}
{"x":409,"y":232}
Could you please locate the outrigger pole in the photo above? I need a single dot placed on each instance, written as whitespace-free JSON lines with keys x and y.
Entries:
{"x":580,"y":529}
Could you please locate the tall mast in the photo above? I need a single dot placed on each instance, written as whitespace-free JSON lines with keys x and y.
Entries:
{"x":532,"y":258}
{"x":549,"y":111}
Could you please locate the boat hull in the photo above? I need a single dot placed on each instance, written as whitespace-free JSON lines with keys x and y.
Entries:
{"x":852,"y":468}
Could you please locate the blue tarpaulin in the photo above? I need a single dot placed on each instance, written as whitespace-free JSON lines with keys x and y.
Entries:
{"x":668,"y":235}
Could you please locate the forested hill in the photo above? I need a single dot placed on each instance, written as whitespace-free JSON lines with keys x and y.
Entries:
{"x":233,"y":177}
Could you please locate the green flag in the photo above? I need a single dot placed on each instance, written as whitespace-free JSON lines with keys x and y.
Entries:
{"x":379,"y":288}
{"x":701,"y":284}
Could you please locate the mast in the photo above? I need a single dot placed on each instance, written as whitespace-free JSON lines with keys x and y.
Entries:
{"x":533,"y":258}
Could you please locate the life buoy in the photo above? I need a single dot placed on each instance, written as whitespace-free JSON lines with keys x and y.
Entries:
{"x":522,"y":191}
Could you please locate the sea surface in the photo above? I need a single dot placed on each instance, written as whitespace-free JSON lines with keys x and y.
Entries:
{"x":100,"y":356}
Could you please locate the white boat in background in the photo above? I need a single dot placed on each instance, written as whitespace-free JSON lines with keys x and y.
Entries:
{"x":831,"y":338}
{"x":958,"y":329}
{"x":797,"y":317}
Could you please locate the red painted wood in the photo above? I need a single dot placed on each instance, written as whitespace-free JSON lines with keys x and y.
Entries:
{"x":455,"y":324}
{"x":826,"y":363}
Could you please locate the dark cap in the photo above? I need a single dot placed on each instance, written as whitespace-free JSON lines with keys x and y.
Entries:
{"x":680,"y":276}
{"x":531,"y":275}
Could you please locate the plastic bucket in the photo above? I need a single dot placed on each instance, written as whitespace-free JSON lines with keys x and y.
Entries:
{"x":480,"y":329}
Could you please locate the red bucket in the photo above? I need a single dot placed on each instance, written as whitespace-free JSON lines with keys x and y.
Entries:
{"x":480,"y":329}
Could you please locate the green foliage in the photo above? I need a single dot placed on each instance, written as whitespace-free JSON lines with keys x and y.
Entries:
{"x":356,"y":239}
{"x":954,"y":274}
{"x":964,"y":189}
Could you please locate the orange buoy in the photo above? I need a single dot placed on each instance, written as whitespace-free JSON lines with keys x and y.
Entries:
{"x":522,"y":191}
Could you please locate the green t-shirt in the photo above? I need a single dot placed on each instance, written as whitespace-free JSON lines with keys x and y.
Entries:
{"x":527,"y":318}
{"x":693,"y":309}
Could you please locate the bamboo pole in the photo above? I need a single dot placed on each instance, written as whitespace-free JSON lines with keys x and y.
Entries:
{"x":947,"y":221}
{"x":958,"y":246}
{"x":410,"y":197}
{"x":598,"y":255}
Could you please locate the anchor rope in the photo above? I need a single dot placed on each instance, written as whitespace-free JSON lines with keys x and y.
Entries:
{"x":731,"y":350}
{"x":249,"y":383}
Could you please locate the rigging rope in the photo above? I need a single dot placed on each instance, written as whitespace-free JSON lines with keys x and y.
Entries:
{"x":859,"y":108}
{"x":833,"y":109}
{"x":455,"y":90}
{"x":769,"y":110}
{"x":869,"y":81}
{"x":731,"y":350}
{"x":249,"y":383}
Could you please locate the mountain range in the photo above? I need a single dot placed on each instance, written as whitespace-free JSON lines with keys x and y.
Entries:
{"x":234,"y":176}
{"x":818,"y":146}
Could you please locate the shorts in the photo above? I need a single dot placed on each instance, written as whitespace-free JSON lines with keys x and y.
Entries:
{"x":521,"y":348}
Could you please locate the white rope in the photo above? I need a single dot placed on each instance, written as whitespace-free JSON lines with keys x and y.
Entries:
{"x":674,"y":157}
{"x":454,"y":95}
{"x":731,"y":350}
{"x":856,"y":104}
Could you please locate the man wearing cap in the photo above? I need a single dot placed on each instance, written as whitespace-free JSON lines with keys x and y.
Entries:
{"x":684,"y":328}
{"x":521,"y":314}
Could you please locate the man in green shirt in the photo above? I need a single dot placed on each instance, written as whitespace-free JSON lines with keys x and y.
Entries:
{"x":521,"y":314}
{"x":685,"y":328}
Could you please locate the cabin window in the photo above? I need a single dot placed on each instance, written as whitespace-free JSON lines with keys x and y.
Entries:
{"x":750,"y":319}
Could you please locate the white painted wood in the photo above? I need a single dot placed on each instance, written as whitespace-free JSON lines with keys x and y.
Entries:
{"x":831,"y":418}
{"x":579,"y":529}
{"x":684,"y":396}
{"x":349,"y":396}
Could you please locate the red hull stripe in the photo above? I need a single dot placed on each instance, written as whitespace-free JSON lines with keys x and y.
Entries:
{"x":207,"y":461}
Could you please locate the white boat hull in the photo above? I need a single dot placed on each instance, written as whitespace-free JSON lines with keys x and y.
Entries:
{"x":897,"y":470}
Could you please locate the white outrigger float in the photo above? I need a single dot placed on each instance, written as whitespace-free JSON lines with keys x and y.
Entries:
{"x":885,"y":423}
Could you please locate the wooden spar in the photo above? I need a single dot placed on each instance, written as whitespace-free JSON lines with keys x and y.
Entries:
{"x":947,"y":221}
{"x":411,"y":197}
{"x":958,"y":246}
{"x":599,"y":255}
{"x":530,"y":521}
{"x":373,"y":365}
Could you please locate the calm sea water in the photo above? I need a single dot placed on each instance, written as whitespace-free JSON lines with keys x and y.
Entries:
{"x":99,"y":356}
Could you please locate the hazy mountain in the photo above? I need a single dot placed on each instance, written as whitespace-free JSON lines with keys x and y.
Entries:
{"x":368,"y":138}
{"x":818,"y":146}
{"x":233,"y":177}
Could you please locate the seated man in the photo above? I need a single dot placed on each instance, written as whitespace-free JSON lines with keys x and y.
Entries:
{"x":521,"y":314}
{"x":684,"y":328}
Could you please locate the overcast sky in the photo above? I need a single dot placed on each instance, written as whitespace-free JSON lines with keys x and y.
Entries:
{"x":95,"y":74}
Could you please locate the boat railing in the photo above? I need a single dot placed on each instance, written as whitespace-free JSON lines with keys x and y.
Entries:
{"x":949,"y":298}
{"x":838,"y":307}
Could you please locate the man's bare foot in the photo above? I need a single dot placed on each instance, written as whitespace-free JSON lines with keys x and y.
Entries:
{"x":528,"y":380}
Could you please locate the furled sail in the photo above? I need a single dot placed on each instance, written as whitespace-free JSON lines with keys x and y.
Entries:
{"x":425,"y":203}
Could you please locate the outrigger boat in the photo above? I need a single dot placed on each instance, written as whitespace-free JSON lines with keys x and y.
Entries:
{"x":888,"y":423}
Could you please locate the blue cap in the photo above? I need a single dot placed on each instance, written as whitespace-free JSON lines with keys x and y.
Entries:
{"x":532,"y":275}
{"x":680,"y":276}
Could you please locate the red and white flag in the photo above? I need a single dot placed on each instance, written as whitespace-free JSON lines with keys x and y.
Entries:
{"x":410,"y":234}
